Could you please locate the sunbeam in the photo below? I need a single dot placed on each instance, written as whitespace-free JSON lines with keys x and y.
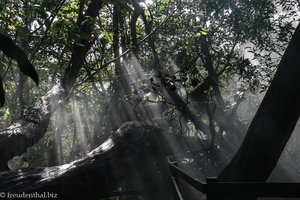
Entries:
{"x":79,"y":128}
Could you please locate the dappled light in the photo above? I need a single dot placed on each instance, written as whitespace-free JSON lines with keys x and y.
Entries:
{"x":150,"y":100}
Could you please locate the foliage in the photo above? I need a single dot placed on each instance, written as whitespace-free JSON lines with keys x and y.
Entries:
{"x":14,"y":52}
{"x":173,"y":47}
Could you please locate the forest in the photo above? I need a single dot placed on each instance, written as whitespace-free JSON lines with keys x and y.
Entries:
{"x":149,"y":99}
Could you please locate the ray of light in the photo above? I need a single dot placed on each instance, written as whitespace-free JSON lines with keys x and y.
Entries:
{"x":79,"y":126}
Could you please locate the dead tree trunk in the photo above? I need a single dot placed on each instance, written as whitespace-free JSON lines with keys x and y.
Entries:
{"x":132,"y":157}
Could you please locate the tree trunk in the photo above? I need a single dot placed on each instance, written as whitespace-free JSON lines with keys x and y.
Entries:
{"x":273,"y":123}
{"x":121,"y":84}
{"x":18,"y":137}
{"x":82,"y":47}
{"x":131,"y":157}
{"x":15,"y":139}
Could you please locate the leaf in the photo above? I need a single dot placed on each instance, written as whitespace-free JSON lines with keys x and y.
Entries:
{"x":199,"y":34}
{"x":11,"y":27}
{"x":161,"y":8}
{"x":108,"y":36}
{"x":204,"y":32}
{"x":13,"y":51}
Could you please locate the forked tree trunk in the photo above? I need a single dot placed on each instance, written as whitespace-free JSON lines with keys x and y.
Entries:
{"x":19,"y":136}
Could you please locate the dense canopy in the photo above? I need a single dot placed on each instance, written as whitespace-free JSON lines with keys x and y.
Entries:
{"x":197,"y":70}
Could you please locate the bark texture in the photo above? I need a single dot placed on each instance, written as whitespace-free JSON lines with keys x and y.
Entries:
{"x":15,"y":139}
{"x":131,"y":156}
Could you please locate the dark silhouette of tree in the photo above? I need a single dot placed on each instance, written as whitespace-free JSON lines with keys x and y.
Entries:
{"x":273,"y":123}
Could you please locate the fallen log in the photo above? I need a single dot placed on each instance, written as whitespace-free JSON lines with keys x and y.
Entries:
{"x":132,"y":157}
